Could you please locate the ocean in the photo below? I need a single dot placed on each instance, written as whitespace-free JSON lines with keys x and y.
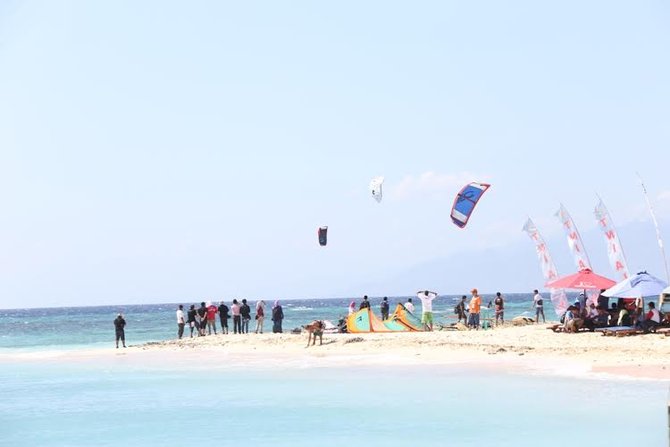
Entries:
{"x":108,"y":402}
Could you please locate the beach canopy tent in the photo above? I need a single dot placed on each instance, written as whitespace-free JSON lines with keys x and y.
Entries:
{"x":366,"y":321}
{"x":582,"y":280}
{"x":638,"y":286}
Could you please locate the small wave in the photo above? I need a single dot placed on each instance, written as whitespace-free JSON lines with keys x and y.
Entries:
{"x":302,"y":308}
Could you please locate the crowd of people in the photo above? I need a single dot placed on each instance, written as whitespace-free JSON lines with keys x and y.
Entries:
{"x":622,"y":313}
{"x":469,"y":313}
{"x":202,"y":321}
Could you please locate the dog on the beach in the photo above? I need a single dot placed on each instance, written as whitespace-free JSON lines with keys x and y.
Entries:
{"x":314,"y":329}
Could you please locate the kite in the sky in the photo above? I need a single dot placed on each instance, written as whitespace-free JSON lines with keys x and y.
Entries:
{"x":465,"y":202}
{"x":376,"y":188}
{"x":323,"y":236}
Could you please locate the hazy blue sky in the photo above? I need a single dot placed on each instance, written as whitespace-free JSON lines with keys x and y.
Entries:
{"x":163,"y":151}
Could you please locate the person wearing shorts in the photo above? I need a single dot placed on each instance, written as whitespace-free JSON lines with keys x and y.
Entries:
{"x":427,"y":298}
{"x":119,"y":328}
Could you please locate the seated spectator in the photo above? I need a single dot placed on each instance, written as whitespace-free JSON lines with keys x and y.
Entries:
{"x":602,"y":318}
{"x":568,"y":317}
{"x":624,"y":318}
{"x":653,"y":319}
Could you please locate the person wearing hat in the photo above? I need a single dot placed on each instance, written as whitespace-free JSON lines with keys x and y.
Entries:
{"x":653,"y":319}
{"x":475,"y":308}
{"x":119,"y":325}
{"x":384,"y":307}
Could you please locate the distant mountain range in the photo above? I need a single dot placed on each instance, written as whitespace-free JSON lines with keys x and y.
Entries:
{"x":515,"y":268}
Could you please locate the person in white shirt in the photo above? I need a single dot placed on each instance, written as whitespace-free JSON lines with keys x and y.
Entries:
{"x":538,"y":303}
{"x":653,"y":318}
{"x":180,"y":321}
{"x":427,"y":298}
{"x":409,"y":306}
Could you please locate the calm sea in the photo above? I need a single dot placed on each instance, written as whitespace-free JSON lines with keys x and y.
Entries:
{"x":117,"y":405}
{"x":75,"y":327}
{"x":112,"y":402}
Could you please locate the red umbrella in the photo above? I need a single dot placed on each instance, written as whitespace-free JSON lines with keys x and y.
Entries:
{"x":584,"y":279}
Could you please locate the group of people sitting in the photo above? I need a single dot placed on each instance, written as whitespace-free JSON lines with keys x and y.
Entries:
{"x":625,"y":312}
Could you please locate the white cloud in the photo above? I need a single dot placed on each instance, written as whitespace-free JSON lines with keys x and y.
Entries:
{"x":431,"y":183}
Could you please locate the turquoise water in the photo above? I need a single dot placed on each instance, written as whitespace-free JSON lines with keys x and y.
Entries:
{"x":115,"y":402}
{"x":112,"y":405}
{"x":75,"y":327}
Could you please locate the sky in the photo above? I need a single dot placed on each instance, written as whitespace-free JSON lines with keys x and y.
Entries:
{"x":161,"y":151}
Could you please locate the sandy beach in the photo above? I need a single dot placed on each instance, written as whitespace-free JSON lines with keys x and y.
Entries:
{"x":527,"y":349}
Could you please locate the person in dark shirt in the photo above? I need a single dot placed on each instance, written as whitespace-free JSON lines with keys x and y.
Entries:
{"x":202,"y":313}
{"x":223,"y":316}
{"x":119,"y":326}
{"x":500,"y":308}
{"x":460,"y":310}
{"x":192,"y":322}
{"x":245,"y":313}
{"x":277,"y":317}
{"x":385,"y":308}
{"x":365,"y":304}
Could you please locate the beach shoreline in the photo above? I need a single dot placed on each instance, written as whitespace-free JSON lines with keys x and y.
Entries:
{"x":529,"y":349}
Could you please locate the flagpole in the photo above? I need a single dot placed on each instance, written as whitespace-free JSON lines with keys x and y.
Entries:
{"x":658,"y":231}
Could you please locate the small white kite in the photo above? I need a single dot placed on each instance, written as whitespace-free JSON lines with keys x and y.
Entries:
{"x":376,"y":188}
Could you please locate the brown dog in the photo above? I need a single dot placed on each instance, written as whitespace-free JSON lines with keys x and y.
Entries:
{"x":314,"y":329}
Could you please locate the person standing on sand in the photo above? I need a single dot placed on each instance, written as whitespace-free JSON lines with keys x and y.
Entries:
{"x":223,"y":317}
{"x":499,"y":303}
{"x":192,"y":319}
{"x":260,"y":316}
{"x":409,"y":306}
{"x":538,"y":303}
{"x":237,"y":320}
{"x":277,"y":317}
{"x":211,"y":318}
{"x":352,"y":307}
{"x":385,"y":308}
{"x":245,"y":312}
{"x":202,"y":313}
{"x":365,"y":304}
{"x":427,"y":298}
{"x":180,"y":322}
{"x":119,"y":327}
{"x":461,"y":311}
{"x":475,"y":308}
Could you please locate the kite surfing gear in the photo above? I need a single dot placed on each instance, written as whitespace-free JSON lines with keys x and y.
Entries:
{"x":323,"y":236}
{"x":465,"y":202}
{"x":376,"y":188}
